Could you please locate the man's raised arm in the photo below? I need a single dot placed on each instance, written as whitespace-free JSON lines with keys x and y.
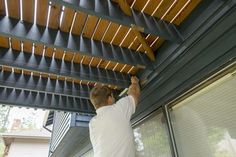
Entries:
{"x":134,"y":89}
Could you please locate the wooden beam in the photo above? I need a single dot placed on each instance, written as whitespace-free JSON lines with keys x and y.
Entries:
{"x":109,"y":10}
{"x":53,"y":66}
{"x":44,"y":85}
{"x":56,"y":39}
{"x":34,"y":99}
{"x":147,"y":48}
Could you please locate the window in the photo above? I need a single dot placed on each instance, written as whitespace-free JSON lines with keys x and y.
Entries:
{"x":151,"y":137}
{"x":204,"y":124}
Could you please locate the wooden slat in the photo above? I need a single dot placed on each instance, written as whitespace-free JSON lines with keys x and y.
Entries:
{"x":69,"y":56}
{"x":44,"y":75}
{"x":49,"y":52}
{"x":59,"y":54}
{"x":101,"y":61}
{"x":28,"y":10}
{"x":80,"y":82}
{"x":95,"y":62}
{"x":129,"y":39}
{"x":184,"y":14}
{"x":134,"y":71}
{"x":36,"y":74}
{"x":147,"y":48}
{"x":61,"y":78}
{"x":86,"y":60}
{"x":42,"y":12}
{"x":110,"y":32}
{"x":4,"y":42}
{"x":38,"y":49}
{"x":27,"y":46}
{"x":103,"y":64}
{"x":84,"y":82}
{"x":163,"y":8}
{"x":120,"y":35}
{"x":77,"y":81}
{"x":14,"y":8}
{"x":127,"y":68}
{"x":27,"y":72}
{"x":15,"y":44}
{"x":135,"y":44}
{"x":90,"y":26}
{"x":175,"y":10}
{"x":54,"y":19}
{"x":159,"y":42}
{"x":16,"y":70}
{"x":79,"y":23}
{"x":6,"y":69}
{"x":91,"y":63}
{"x":69,"y":79}
{"x":67,"y":19}
{"x":111,"y":65}
{"x":54,"y":77}
{"x":103,"y":24}
{"x":77,"y":58}
{"x":2,"y":7}
{"x":141,"y":49}
{"x":150,"y":39}
{"x":119,"y":67}
{"x":131,"y":71}
{"x":152,"y":5}
{"x":139,"y":4}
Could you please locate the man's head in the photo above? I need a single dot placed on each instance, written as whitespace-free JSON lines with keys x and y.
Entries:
{"x":101,"y":96}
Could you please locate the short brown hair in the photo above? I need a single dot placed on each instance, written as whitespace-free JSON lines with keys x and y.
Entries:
{"x":99,"y":95}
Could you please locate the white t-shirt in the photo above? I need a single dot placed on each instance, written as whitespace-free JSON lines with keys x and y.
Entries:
{"x":110,"y":130}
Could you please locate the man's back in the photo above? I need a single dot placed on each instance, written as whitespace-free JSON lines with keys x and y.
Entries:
{"x":110,"y":131}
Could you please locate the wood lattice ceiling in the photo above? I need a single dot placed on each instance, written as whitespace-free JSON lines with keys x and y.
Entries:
{"x":55,"y":16}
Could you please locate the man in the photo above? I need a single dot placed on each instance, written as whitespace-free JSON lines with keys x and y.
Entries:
{"x":110,"y":130}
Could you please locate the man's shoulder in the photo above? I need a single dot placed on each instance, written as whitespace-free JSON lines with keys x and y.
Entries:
{"x":92,"y":121}
{"x":125,"y":100}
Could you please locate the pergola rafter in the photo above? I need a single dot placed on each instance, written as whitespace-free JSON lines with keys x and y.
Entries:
{"x":52,"y":52}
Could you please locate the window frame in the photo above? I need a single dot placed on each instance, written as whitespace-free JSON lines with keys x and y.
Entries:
{"x":153,"y":114}
{"x":228,"y":69}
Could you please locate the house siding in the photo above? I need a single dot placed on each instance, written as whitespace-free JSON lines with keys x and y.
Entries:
{"x":29,"y":148}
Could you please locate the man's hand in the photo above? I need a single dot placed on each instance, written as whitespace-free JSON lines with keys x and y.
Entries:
{"x":134,"y":80}
{"x":134,"y":89}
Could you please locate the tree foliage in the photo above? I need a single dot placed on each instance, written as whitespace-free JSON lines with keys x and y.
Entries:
{"x":4,"y":112}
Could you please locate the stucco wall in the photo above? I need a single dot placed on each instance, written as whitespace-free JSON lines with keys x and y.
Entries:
{"x":29,"y":148}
